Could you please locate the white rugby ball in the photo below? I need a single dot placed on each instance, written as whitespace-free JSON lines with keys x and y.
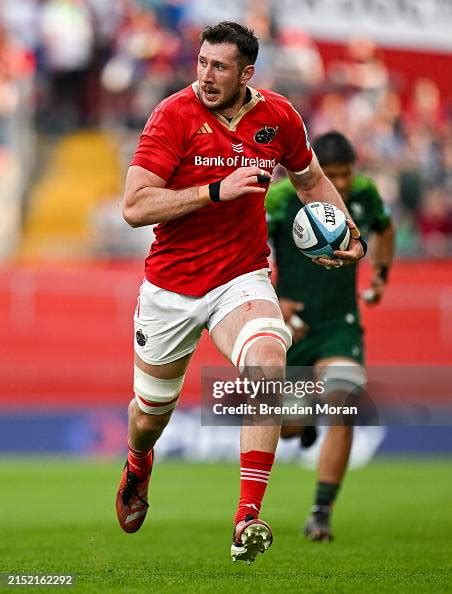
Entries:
{"x":320,"y":228}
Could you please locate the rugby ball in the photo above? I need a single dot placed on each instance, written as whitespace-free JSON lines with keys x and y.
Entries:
{"x":320,"y":228}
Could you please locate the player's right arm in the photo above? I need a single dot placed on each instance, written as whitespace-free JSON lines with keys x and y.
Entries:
{"x":147,"y":201}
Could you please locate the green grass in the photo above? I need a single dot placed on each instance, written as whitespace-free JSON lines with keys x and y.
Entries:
{"x":393,"y":525}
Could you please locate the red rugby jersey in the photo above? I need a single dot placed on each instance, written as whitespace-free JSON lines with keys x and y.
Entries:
{"x":187,"y":145}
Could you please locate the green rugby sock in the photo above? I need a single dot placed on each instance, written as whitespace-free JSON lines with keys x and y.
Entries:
{"x":326,"y":493}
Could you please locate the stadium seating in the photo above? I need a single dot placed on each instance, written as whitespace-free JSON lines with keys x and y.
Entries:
{"x":83,"y":170}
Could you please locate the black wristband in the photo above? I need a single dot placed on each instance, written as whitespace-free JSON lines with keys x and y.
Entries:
{"x":383,"y":272}
{"x":214,"y":191}
{"x":263,"y":179}
{"x":363,"y":243}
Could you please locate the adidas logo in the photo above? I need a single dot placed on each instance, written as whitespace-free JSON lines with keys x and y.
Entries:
{"x":237,"y":148}
{"x":205,"y":129}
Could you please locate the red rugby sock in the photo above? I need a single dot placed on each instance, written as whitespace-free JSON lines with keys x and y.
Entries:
{"x":140,"y":462}
{"x":255,"y":468}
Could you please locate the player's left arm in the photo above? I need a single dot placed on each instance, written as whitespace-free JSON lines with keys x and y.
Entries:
{"x":313,"y":185}
{"x":381,"y":253}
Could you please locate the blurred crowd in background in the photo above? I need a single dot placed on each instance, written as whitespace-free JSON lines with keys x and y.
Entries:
{"x":72,"y":64}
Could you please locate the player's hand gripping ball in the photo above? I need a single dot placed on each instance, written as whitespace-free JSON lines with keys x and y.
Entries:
{"x":320,"y":228}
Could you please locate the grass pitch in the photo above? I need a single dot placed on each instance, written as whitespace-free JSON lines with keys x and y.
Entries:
{"x":393,"y":526}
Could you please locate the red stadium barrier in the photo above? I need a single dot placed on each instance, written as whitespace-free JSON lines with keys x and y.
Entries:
{"x":66,"y":331}
{"x":406,"y":65}
{"x":413,"y":324}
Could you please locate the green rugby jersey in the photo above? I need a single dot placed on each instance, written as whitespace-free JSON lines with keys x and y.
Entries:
{"x":327,"y":294}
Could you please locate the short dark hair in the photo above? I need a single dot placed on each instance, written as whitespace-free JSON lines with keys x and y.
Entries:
{"x":230,"y":32}
{"x":334,"y":148}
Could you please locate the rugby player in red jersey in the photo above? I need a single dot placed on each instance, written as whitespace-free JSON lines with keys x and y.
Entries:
{"x":201,"y":171}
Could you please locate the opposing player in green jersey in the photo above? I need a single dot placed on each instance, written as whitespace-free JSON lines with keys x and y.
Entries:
{"x":321,"y":305}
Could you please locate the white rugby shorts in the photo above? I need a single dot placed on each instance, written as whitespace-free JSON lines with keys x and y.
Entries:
{"x":168,"y":325}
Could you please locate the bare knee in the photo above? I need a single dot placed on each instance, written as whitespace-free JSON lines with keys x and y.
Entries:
{"x":147,"y":423}
{"x":268,"y":355}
